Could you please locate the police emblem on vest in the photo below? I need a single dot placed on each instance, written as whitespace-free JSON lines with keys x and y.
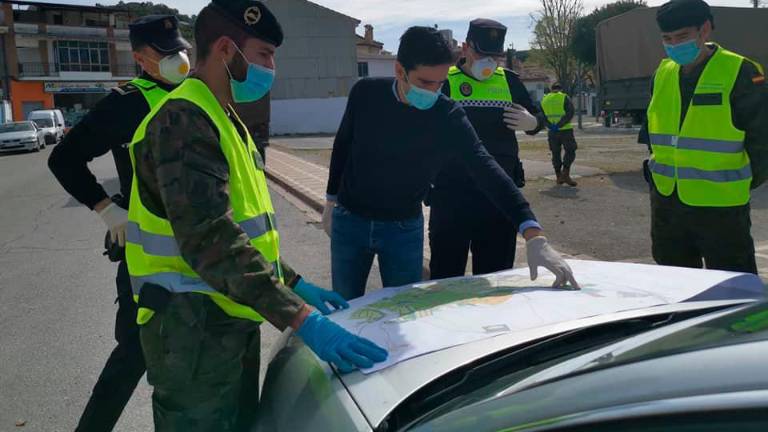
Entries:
{"x":469,"y":92}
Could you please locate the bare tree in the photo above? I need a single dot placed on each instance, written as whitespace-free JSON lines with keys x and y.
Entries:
{"x":552,"y":36}
{"x":758,"y":3}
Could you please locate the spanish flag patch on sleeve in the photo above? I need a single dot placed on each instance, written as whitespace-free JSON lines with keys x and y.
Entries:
{"x":759,"y":80}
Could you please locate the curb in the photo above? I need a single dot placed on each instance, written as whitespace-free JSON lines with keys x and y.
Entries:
{"x":303,"y":197}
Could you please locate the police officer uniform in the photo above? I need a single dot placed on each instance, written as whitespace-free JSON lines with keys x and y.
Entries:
{"x":462,"y":218}
{"x":707,"y":132}
{"x":110,"y":126}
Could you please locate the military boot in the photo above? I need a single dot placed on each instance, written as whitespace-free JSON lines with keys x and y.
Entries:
{"x":559,"y":177}
{"x":566,"y":178}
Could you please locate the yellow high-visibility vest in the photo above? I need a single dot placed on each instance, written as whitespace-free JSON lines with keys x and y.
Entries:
{"x":704,"y":158}
{"x":469,"y":92}
{"x":151,"y":91}
{"x":152,"y":253}
{"x":553,"y":105}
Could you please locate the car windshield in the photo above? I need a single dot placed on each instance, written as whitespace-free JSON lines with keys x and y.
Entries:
{"x":744,"y":326}
{"x":491,"y":378}
{"x":16,"y":127}
{"x":44,"y":123}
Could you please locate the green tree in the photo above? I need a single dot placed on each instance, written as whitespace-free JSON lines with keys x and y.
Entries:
{"x":583,"y":42}
{"x":552,"y":35}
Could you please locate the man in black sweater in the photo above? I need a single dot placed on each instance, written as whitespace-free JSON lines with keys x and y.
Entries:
{"x":161,"y":52}
{"x":395,"y":137}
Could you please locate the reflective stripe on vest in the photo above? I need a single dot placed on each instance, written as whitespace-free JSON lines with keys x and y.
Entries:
{"x":152,"y":251}
{"x":469,"y":92}
{"x":704,"y":157}
{"x":553,"y":106}
{"x":166,"y":246}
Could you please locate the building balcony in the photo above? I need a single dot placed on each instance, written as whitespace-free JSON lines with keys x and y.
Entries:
{"x":39,"y":70}
{"x":68,"y":32}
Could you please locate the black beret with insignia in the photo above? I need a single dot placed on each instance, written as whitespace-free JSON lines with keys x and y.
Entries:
{"x":487,"y":36}
{"x":679,"y":14}
{"x":253,"y":17}
{"x":161,"y":32}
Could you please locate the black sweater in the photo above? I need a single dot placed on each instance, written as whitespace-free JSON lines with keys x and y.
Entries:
{"x":110,"y":125}
{"x":387,"y":153}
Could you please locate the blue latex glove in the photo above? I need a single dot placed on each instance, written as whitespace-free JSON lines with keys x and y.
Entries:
{"x":334,"y":344}
{"x":318,"y":297}
{"x":554,"y":128}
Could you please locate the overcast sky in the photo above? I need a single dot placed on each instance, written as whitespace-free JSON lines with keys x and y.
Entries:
{"x":391,"y":17}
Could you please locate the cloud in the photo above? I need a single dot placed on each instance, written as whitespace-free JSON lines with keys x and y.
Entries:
{"x":391,"y":17}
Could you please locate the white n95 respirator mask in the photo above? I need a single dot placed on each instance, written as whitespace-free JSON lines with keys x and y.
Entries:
{"x":175,"y":67}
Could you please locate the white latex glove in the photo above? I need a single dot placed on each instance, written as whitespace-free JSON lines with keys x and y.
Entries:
{"x":328,"y":216}
{"x":518,"y":118}
{"x":116,"y":219}
{"x":540,"y":253}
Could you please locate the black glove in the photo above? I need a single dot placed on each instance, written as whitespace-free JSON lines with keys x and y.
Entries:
{"x":646,"y":172}
{"x":112,"y":250}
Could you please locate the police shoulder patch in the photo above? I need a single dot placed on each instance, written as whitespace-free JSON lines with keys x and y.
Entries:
{"x":759,"y":80}
{"x":466,"y":89}
{"x":125,"y":89}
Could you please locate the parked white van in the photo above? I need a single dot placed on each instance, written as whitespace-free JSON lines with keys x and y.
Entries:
{"x":51,"y":122}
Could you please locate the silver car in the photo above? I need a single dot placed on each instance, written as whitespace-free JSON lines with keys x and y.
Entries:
{"x":19,"y":136}
{"x":693,"y":366}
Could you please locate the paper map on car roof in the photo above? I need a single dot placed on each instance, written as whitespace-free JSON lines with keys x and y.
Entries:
{"x":415,"y":320}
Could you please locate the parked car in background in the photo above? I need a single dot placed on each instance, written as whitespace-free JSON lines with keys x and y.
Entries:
{"x":17,"y":136}
{"x":51,"y":122}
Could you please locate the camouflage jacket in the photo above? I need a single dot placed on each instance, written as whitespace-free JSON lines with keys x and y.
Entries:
{"x":183,"y":177}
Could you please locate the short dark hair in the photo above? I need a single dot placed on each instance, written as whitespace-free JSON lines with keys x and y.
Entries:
{"x":423,"y":46}
{"x":557,"y":86}
{"x":136,"y":43}
{"x":210,"y":26}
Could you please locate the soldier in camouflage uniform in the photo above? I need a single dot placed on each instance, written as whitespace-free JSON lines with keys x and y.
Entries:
{"x":195,"y":165}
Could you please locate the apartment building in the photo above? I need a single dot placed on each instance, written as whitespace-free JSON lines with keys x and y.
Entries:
{"x":62,"y":56}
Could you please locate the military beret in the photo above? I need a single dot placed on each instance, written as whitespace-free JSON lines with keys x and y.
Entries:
{"x":253,"y":17}
{"x":678,"y":14}
{"x":161,"y":32}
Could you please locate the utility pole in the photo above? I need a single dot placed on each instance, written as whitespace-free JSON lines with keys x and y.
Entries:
{"x":579,"y":94}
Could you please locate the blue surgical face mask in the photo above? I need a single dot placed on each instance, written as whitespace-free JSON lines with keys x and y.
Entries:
{"x":684,"y":53}
{"x":421,"y":98}
{"x":258,"y":82}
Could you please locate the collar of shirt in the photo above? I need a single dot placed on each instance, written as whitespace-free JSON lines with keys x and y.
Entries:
{"x":162,"y":85}
{"x":394,"y":90}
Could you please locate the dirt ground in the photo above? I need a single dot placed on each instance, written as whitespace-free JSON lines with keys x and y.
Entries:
{"x":607,"y":216}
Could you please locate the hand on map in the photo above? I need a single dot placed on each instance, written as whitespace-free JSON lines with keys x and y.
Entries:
{"x":334,"y":344}
{"x":540,"y":253}
{"x":318,"y":297}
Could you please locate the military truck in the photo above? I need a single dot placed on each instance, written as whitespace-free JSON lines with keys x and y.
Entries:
{"x":629,"y":50}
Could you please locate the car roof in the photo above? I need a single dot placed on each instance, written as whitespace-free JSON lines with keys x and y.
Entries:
{"x":378,"y":394}
{"x":690,"y":379}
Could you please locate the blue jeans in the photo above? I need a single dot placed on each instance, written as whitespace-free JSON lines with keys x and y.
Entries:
{"x":356,"y":240}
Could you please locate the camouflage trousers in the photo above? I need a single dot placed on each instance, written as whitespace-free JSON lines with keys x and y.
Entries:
{"x":203,"y":366}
